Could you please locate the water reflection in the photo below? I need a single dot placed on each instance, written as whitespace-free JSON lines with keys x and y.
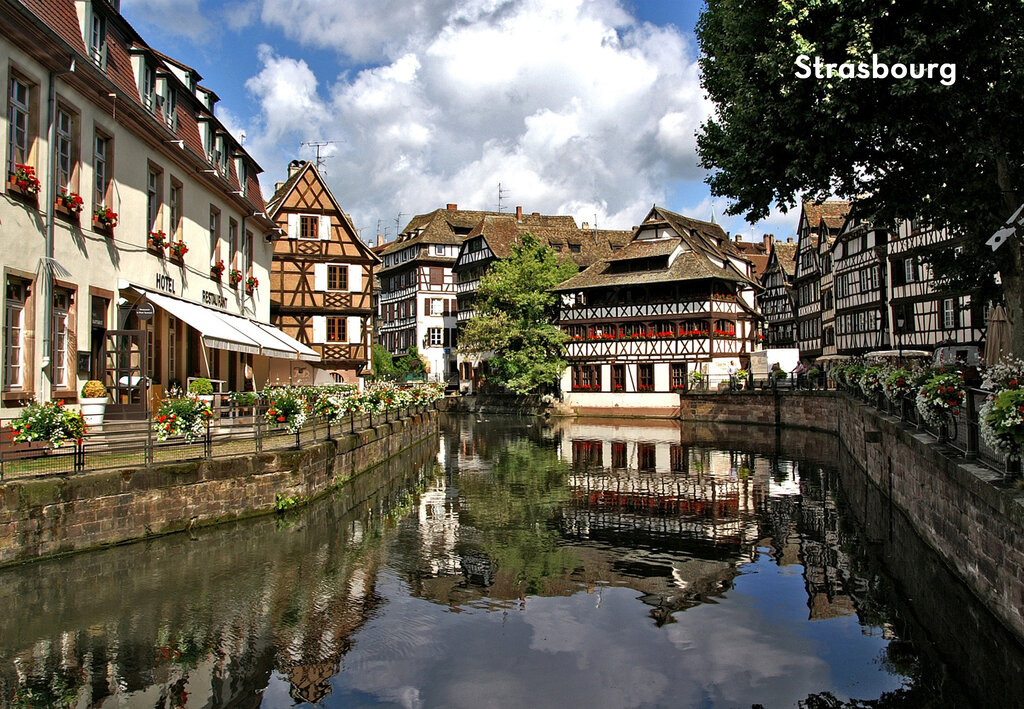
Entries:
{"x":511,"y":563}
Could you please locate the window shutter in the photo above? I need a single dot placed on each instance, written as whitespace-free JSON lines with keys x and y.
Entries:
{"x":319,"y":329}
{"x":319,"y":276}
{"x":354,"y":330}
{"x":355,"y":278}
{"x":293,"y":226}
{"x":324,"y":229}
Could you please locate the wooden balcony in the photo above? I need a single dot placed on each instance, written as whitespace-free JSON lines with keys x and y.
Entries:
{"x":655,"y":348}
{"x":642,"y":311}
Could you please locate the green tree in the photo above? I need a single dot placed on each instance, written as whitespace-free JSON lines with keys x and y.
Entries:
{"x":951,"y":155}
{"x":385,"y":366}
{"x":515,"y":313}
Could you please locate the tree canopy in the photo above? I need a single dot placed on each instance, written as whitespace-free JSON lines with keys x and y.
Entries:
{"x":515,"y":315}
{"x":950,"y":155}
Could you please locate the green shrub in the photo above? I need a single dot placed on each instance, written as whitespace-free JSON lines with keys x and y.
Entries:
{"x":94,"y":389}
{"x":201,"y":387}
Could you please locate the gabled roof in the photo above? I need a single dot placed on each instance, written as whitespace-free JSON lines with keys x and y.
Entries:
{"x":646,"y":248}
{"x":786,"y":256}
{"x":832,"y":212}
{"x":686,"y":267}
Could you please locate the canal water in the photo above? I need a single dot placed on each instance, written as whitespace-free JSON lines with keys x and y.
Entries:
{"x":518,"y":563}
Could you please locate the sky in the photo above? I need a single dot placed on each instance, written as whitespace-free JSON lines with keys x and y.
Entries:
{"x":579,"y":107}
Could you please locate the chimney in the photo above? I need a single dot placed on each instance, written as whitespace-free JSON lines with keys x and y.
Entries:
{"x":789,"y":239}
{"x":452,"y":207}
{"x":585,"y":225}
{"x":294,"y":166}
{"x":277,"y":186}
{"x":536,"y":214}
{"x":739,"y":237}
{"x":380,"y":239}
{"x":769,"y":241}
{"x":519,"y":214}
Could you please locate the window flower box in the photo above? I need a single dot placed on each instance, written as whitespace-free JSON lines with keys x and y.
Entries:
{"x":157,"y":241}
{"x":217,"y":270}
{"x":104,"y":219}
{"x":251,"y":284}
{"x":235,"y":277}
{"x":24,"y":181}
{"x":69,"y":204}
{"x":177,"y":250}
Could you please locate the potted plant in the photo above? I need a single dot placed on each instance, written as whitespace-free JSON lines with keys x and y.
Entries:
{"x":235,"y":277}
{"x":185,"y":416}
{"x":940,"y":396}
{"x":217,"y":270}
{"x":287,"y":408}
{"x":251,"y":284}
{"x":104,"y":218}
{"x":203,"y":388}
{"x":70,"y":202}
{"x":698,"y":380}
{"x":157,"y":241}
{"x":24,"y":180}
{"x":49,"y":422}
{"x":178,"y":250}
{"x":93,"y":402}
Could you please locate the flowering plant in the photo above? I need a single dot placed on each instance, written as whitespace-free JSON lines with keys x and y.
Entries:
{"x":742,"y":374}
{"x":184,"y":416}
{"x":178,"y":249}
{"x":1007,"y":374}
{"x":873,"y":379}
{"x":48,"y":422}
{"x":157,"y":240}
{"x":25,"y":179}
{"x":105,"y":216}
{"x":251,"y":283}
{"x":941,"y":394}
{"x":71,"y":201}
{"x":898,"y":384}
{"x":235,"y":277}
{"x":696,"y":377}
{"x":217,"y":270}
{"x":288,"y":408}
{"x":1002,"y":421}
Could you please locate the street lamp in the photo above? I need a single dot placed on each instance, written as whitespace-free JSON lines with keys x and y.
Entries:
{"x":901,"y":321}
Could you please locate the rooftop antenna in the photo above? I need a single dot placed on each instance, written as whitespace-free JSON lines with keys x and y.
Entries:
{"x":317,"y":145}
{"x":502,"y":193}
{"x":398,"y":223}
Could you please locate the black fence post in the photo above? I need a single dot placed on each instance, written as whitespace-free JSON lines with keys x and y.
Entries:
{"x":971,"y":421}
{"x":79,"y":455}
{"x":258,"y":425}
{"x":149,"y":454}
{"x":352,"y":422}
{"x":207,"y":442}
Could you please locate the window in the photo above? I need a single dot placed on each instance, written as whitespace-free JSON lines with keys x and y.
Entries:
{"x":98,"y":40}
{"x":574,"y":248}
{"x":337,"y":329}
{"x":148,"y":87}
{"x":59,"y":346}
{"x":337,"y":276}
{"x":645,"y":377}
{"x":618,"y":454}
{"x":214,"y":235}
{"x":438,"y":250}
{"x":18,"y":140}
{"x":153,"y":190}
{"x":65,"y":149}
{"x":170,"y":108}
{"x":618,"y":377}
{"x":677,"y":376}
{"x":585,"y":377}
{"x":436,"y":306}
{"x":910,"y":270}
{"x":249,"y":242}
{"x":233,"y":244}
{"x":150,"y":354}
{"x":14,"y":334}
{"x":308,"y":227}
{"x":172,"y":347}
{"x":435,"y":336}
{"x":175,"y":209}
{"x":677,"y":459}
{"x":585,"y":453}
{"x":101,"y":170}
{"x":436,"y":276}
{"x":645,"y":456}
{"x":949,"y":314}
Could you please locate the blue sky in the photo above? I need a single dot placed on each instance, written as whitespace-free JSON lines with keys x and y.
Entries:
{"x":581,"y":107}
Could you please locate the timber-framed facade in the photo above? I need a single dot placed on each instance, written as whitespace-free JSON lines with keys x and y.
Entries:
{"x":778,"y":306}
{"x":860,"y":276}
{"x":817,"y":220}
{"x":321,"y":282}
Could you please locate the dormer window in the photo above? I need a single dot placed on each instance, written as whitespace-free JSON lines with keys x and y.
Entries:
{"x":98,"y":40}
{"x":149,"y":87}
{"x":170,"y":108}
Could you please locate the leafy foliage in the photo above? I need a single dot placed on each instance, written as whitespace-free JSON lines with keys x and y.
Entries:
{"x":185,"y":416}
{"x":515,"y":313}
{"x":48,"y":422}
{"x":950,"y":155}
{"x":386,"y":367}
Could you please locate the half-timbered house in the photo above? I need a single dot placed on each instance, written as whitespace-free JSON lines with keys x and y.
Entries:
{"x":924,"y":313}
{"x":776,"y":300}
{"x":827,"y":295}
{"x":678,"y":299}
{"x":493,"y":239}
{"x":859,"y":286}
{"x":816,"y":219}
{"x":321,"y":282}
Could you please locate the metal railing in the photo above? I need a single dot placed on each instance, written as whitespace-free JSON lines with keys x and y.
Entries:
{"x":236,"y":430}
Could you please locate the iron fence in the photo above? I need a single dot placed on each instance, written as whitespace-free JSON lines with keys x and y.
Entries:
{"x":235,"y":430}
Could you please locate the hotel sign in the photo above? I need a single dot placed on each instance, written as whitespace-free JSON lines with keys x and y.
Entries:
{"x":165,"y":283}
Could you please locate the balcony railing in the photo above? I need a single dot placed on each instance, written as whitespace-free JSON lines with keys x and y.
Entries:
{"x":403,"y":294}
{"x":468,"y":286}
{"x":398,"y":324}
{"x":655,"y":347}
{"x":649,"y":310}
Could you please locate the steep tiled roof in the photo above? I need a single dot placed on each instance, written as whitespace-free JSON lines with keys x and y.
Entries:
{"x":686,"y":267}
{"x":832,"y":211}
{"x":786,"y":254}
{"x":646,"y":248}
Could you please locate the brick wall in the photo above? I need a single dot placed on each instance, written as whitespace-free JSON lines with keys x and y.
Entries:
{"x":51,"y":516}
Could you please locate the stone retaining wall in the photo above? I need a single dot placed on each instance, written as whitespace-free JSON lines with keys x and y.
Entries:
{"x":49,"y":516}
{"x":957,"y":507}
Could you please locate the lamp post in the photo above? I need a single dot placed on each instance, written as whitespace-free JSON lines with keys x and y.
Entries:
{"x":901,"y":321}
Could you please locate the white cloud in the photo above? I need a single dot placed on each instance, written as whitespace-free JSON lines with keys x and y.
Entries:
{"x":573,"y":105}
{"x":183,"y":17}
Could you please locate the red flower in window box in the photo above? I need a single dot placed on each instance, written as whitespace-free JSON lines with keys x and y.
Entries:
{"x":235,"y":277}
{"x":70,"y":201}
{"x":217,"y":270}
{"x":178,"y":250}
{"x":157,"y":241}
{"x":24,"y":178}
{"x":251,"y":284}
{"x":617,"y":387}
{"x":105,"y":217}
